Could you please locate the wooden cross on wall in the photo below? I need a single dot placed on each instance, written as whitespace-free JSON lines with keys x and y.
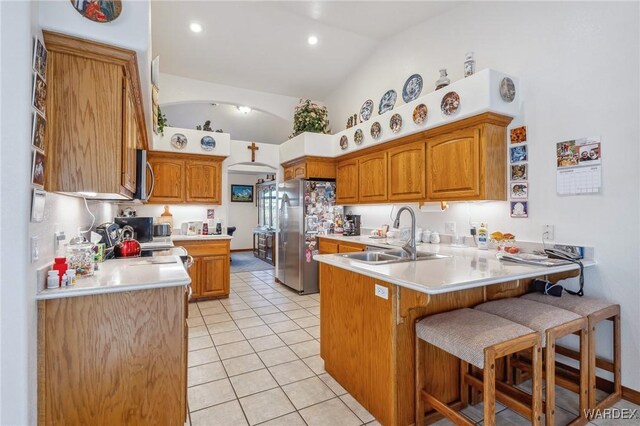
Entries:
{"x":253,"y":149}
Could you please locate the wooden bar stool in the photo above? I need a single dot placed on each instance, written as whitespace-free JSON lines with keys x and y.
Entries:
{"x":476,"y":338}
{"x":595,"y":310}
{"x":552,"y":323}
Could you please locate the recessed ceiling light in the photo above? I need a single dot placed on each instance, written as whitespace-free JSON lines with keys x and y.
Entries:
{"x":244,"y":109}
{"x":195,"y":27}
{"x":312,"y":40}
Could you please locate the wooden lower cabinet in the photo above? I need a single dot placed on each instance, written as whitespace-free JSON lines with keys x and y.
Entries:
{"x":210,"y":273}
{"x":116,"y":358}
{"x":327,"y":245}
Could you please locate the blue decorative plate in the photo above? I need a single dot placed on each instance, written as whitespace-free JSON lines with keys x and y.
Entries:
{"x":207,"y":143}
{"x":366,"y":110}
{"x":412,"y":88}
{"x":388,"y":101}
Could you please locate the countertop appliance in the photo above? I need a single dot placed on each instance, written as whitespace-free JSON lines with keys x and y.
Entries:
{"x":110,"y":233}
{"x":142,"y":166}
{"x":351,"y":225}
{"x":142,"y":227}
{"x":305,"y":208}
{"x":161,"y":230}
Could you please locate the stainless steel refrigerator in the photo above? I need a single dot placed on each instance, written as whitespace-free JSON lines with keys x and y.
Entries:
{"x":305,"y":209}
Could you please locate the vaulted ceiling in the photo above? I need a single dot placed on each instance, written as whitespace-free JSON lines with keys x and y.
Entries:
{"x":263,"y":45}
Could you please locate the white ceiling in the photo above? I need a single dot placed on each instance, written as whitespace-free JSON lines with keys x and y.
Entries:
{"x":263,"y":45}
{"x":255,"y":126}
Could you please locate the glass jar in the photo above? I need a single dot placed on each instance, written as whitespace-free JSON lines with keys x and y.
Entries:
{"x":443,"y":80}
{"x":81,"y":256}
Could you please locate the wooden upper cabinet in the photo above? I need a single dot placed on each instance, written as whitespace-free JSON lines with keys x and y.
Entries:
{"x":203,"y":181}
{"x":347,"y":182}
{"x":130,"y":142}
{"x":169,"y":184}
{"x":95,"y":119}
{"x":406,"y":171}
{"x":455,"y":166}
{"x":372,"y":177}
{"x":310,"y":168}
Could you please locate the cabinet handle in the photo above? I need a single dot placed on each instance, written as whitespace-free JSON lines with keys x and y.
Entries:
{"x":189,"y":261}
{"x":190,"y":292}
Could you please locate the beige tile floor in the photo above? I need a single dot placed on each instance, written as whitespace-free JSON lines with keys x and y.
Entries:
{"x":254,"y":358}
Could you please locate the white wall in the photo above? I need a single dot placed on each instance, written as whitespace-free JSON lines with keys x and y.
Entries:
{"x":244,"y":216}
{"x":181,"y":212}
{"x":175,"y":89}
{"x":578,"y":64}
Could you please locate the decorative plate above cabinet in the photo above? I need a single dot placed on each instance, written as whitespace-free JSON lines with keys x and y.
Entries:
{"x":388,"y":101}
{"x":412,"y":88}
{"x":358,"y":137}
{"x":366,"y":110}
{"x":376,"y":130}
{"x":396,"y":123}
{"x":450,"y":103}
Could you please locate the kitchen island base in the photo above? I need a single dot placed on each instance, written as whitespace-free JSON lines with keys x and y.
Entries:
{"x":367,"y":339}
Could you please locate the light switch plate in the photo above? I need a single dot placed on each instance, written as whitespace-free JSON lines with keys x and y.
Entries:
{"x":382,"y":291}
{"x":35,"y":249}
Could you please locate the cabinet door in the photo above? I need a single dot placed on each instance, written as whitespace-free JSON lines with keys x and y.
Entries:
{"x":453,"y":166}
{"x":407,"y":172}
{"x":214,"y":276}
{"x":347,"y":182}
{"x":203,"y":181}
{"x":288,"y":173}
{"x":130,"y":141}
{"x":326,"y":246}
{"x":299,"y":171}
{"x":194,"y":274}
{"x":372,"y":177}
{"x":349,"y":248}
{"x":169,"y":183}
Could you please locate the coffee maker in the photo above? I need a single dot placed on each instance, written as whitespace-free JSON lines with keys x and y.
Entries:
{"x":352,"y":225}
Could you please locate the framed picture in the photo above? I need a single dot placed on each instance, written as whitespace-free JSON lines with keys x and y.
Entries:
{"x":37,"y":133}
{"x":40,"y":59}
{"x":39,"y":94}
{"x":519,"y":190}
{"x":519,"y":134}
{"x":518,"y":154}
{"x":242,"y":193}
{"x":519,"y":209}
{"x":519,"y":172}
{"x":37,"y":205}
{"x":37,"y":169}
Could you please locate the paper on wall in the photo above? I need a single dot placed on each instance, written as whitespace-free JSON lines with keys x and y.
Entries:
{"x":579,"y":166}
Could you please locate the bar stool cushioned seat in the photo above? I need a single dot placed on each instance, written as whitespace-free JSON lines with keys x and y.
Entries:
{"x":537,"y":316}
{"x":583,"y":306}
{"x":465,"y":333}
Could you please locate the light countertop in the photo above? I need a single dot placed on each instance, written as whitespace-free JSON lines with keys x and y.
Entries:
{"x":464,"y":268}
{"x":138,"y":273}
{"x":177,"y":237}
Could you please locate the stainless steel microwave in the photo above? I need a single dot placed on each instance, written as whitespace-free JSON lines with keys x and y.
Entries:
{"x":142,"y":166}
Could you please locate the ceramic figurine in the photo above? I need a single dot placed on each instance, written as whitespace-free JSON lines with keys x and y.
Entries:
{"x":469,"y":64}
{"x":443,"y":80}
{"x":350,"y":122}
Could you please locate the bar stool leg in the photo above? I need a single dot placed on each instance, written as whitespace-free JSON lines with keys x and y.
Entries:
{"x":536,"y":385}
{"x":419,"y":385}
{"x":617,"y":356}
{"x":489,"y":387}
{"x":464,"y":387}
{"x":584,"y":372}
{"x":550,"y":378}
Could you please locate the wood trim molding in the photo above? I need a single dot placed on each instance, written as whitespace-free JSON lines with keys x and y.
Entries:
{"x":300,"y":160}
{"x":241,"y":250}
{"x":180,"y":156}
{"x":631,"y":395}
{"x":128,"y":59}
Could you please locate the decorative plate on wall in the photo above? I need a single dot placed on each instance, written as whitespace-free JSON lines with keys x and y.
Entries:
{"x":450,"y":103}
{"x":412,"y":88}
{"x":420,"y":114}
{"x":178,"y":141}
{"x":344,"y":142}
{"x":388,"y":101}
{"x":507,"y":90}
{"x":366,"y":110}
{"x":98,"y":11}
{"x":207,"y":143}
{"x":358,"y":137}
{"x":376,"y":129}
{"x":395,"y":123}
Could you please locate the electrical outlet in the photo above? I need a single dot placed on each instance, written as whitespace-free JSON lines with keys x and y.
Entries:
{"x":382,"y":291}
{"x":548,"y":232}
{"x":35,"y":249}
{"x":450,"y":228}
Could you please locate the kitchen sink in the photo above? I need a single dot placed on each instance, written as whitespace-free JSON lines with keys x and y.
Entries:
{"x":389,"y":256}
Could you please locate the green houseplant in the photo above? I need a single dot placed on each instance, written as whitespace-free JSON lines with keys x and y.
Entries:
{"x":310,"y":117}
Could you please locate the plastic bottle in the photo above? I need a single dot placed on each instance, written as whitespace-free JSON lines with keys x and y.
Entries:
{"x":71,"y":277}
{"x":53,"y":279}
{"x":483,"y":237}
{"x":60,"y":265}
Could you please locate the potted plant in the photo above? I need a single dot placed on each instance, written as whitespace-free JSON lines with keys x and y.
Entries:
{"x":310,"y":117}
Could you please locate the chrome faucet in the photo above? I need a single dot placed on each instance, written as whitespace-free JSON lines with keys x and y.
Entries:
{"x":410,"y":245}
